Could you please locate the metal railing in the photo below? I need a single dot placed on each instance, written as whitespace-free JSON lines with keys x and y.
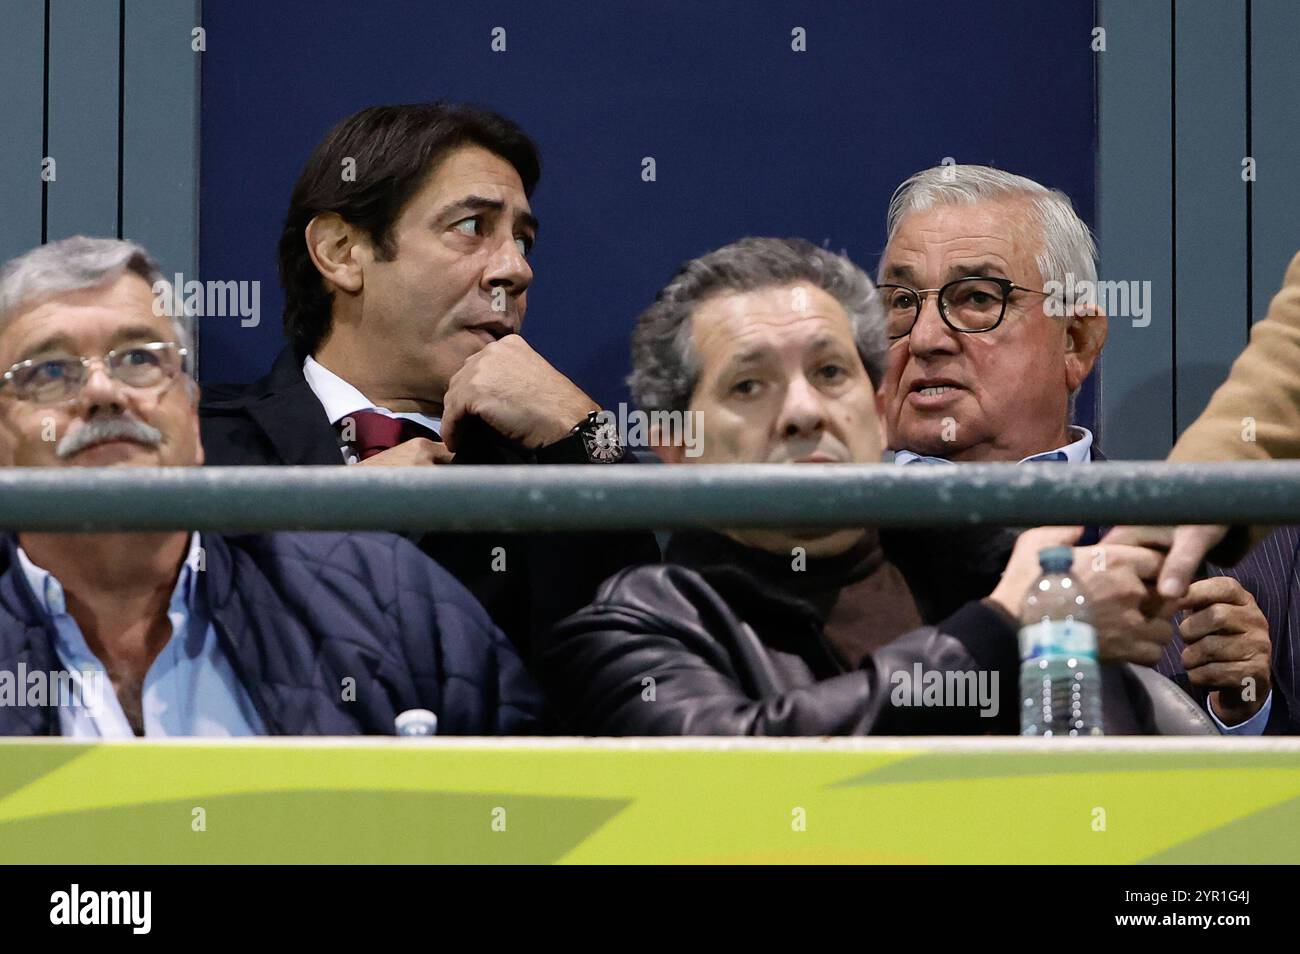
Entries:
{"x":644,"y":497}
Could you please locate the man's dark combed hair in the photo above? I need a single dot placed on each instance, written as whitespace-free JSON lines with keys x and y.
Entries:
{"x":394,"y":148}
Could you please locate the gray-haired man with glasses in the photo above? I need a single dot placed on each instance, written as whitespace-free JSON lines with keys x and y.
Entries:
{"x":141,"y":368}
{"x":984,"y":364}
{"x":176,"y":633}
{"x":51,"y":380}
{"x":981,"y":366}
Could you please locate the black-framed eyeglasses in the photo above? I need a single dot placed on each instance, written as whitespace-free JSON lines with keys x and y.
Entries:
{"x":52,"y":380}
{"x":969,"y":305}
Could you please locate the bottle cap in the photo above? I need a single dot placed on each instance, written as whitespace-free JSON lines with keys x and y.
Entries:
{"x":1056,"y":559}
{"x":415,"y":722}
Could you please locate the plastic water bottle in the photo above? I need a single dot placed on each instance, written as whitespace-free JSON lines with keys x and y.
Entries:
{"x":1060,"y":684}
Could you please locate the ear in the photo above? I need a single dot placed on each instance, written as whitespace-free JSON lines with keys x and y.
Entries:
{"x":1084,"y":336}
{"x":668,"y":453}
{"x":337,"y":250}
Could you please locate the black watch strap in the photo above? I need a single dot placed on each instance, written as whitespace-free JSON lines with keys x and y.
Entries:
{"x":592,"y":441}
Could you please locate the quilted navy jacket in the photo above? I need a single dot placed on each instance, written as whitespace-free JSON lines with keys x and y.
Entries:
{"x":298,"y":613}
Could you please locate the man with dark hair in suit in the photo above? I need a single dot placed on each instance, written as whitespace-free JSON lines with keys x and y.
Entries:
{"x":405,"y":289}
{"x":986,"y":358}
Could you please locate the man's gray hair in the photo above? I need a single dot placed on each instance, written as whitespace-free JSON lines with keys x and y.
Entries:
{"x":665,"y":367}
{"x":79,"y":262}
{"x":1067,"y":245}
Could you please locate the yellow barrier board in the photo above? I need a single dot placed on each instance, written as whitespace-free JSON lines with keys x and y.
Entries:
{"x":651,"y":801}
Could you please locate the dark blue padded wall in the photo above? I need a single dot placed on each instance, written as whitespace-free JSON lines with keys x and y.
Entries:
{"x":748,"y":136}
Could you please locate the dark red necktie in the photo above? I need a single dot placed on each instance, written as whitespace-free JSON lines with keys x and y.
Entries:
{"x":373,"y":433}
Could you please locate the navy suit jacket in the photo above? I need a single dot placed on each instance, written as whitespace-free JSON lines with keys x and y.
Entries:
{"x":279,"y":420}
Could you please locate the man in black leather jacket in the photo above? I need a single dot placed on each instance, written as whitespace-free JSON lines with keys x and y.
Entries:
{"x":780,"y":347}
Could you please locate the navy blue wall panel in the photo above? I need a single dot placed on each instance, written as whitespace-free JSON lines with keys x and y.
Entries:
{"x":749,"y":136}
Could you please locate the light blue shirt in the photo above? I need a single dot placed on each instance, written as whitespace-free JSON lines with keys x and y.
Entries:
{"x":1252,"y":726}
{"x":1079,"y":451}
{"x":191,"y":689}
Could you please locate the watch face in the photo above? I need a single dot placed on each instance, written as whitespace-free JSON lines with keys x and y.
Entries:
{"x":602,"y":443}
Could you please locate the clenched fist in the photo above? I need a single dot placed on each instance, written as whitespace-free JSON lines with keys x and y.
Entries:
{"x":1182,"y":548}
{"x":1132,"y":623}
{"x":1228,"y":647}
{"x":515,"y":392}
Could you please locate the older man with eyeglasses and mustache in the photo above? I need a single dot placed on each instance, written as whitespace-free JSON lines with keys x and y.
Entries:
{"x":202,"y":634}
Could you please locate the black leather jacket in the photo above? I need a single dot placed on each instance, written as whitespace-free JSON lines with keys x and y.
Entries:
{"x":709,"y":643}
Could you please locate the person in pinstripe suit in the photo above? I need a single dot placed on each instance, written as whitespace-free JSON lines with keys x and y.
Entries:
{"x":1254,"y":415}
{"x":1269,"y":580}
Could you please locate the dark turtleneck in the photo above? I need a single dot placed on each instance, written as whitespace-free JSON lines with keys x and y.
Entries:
{"x":859,"y":598}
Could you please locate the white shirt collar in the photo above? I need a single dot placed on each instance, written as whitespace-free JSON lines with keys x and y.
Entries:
{"x":341,"y":399}
{"x":1078,"y":451}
